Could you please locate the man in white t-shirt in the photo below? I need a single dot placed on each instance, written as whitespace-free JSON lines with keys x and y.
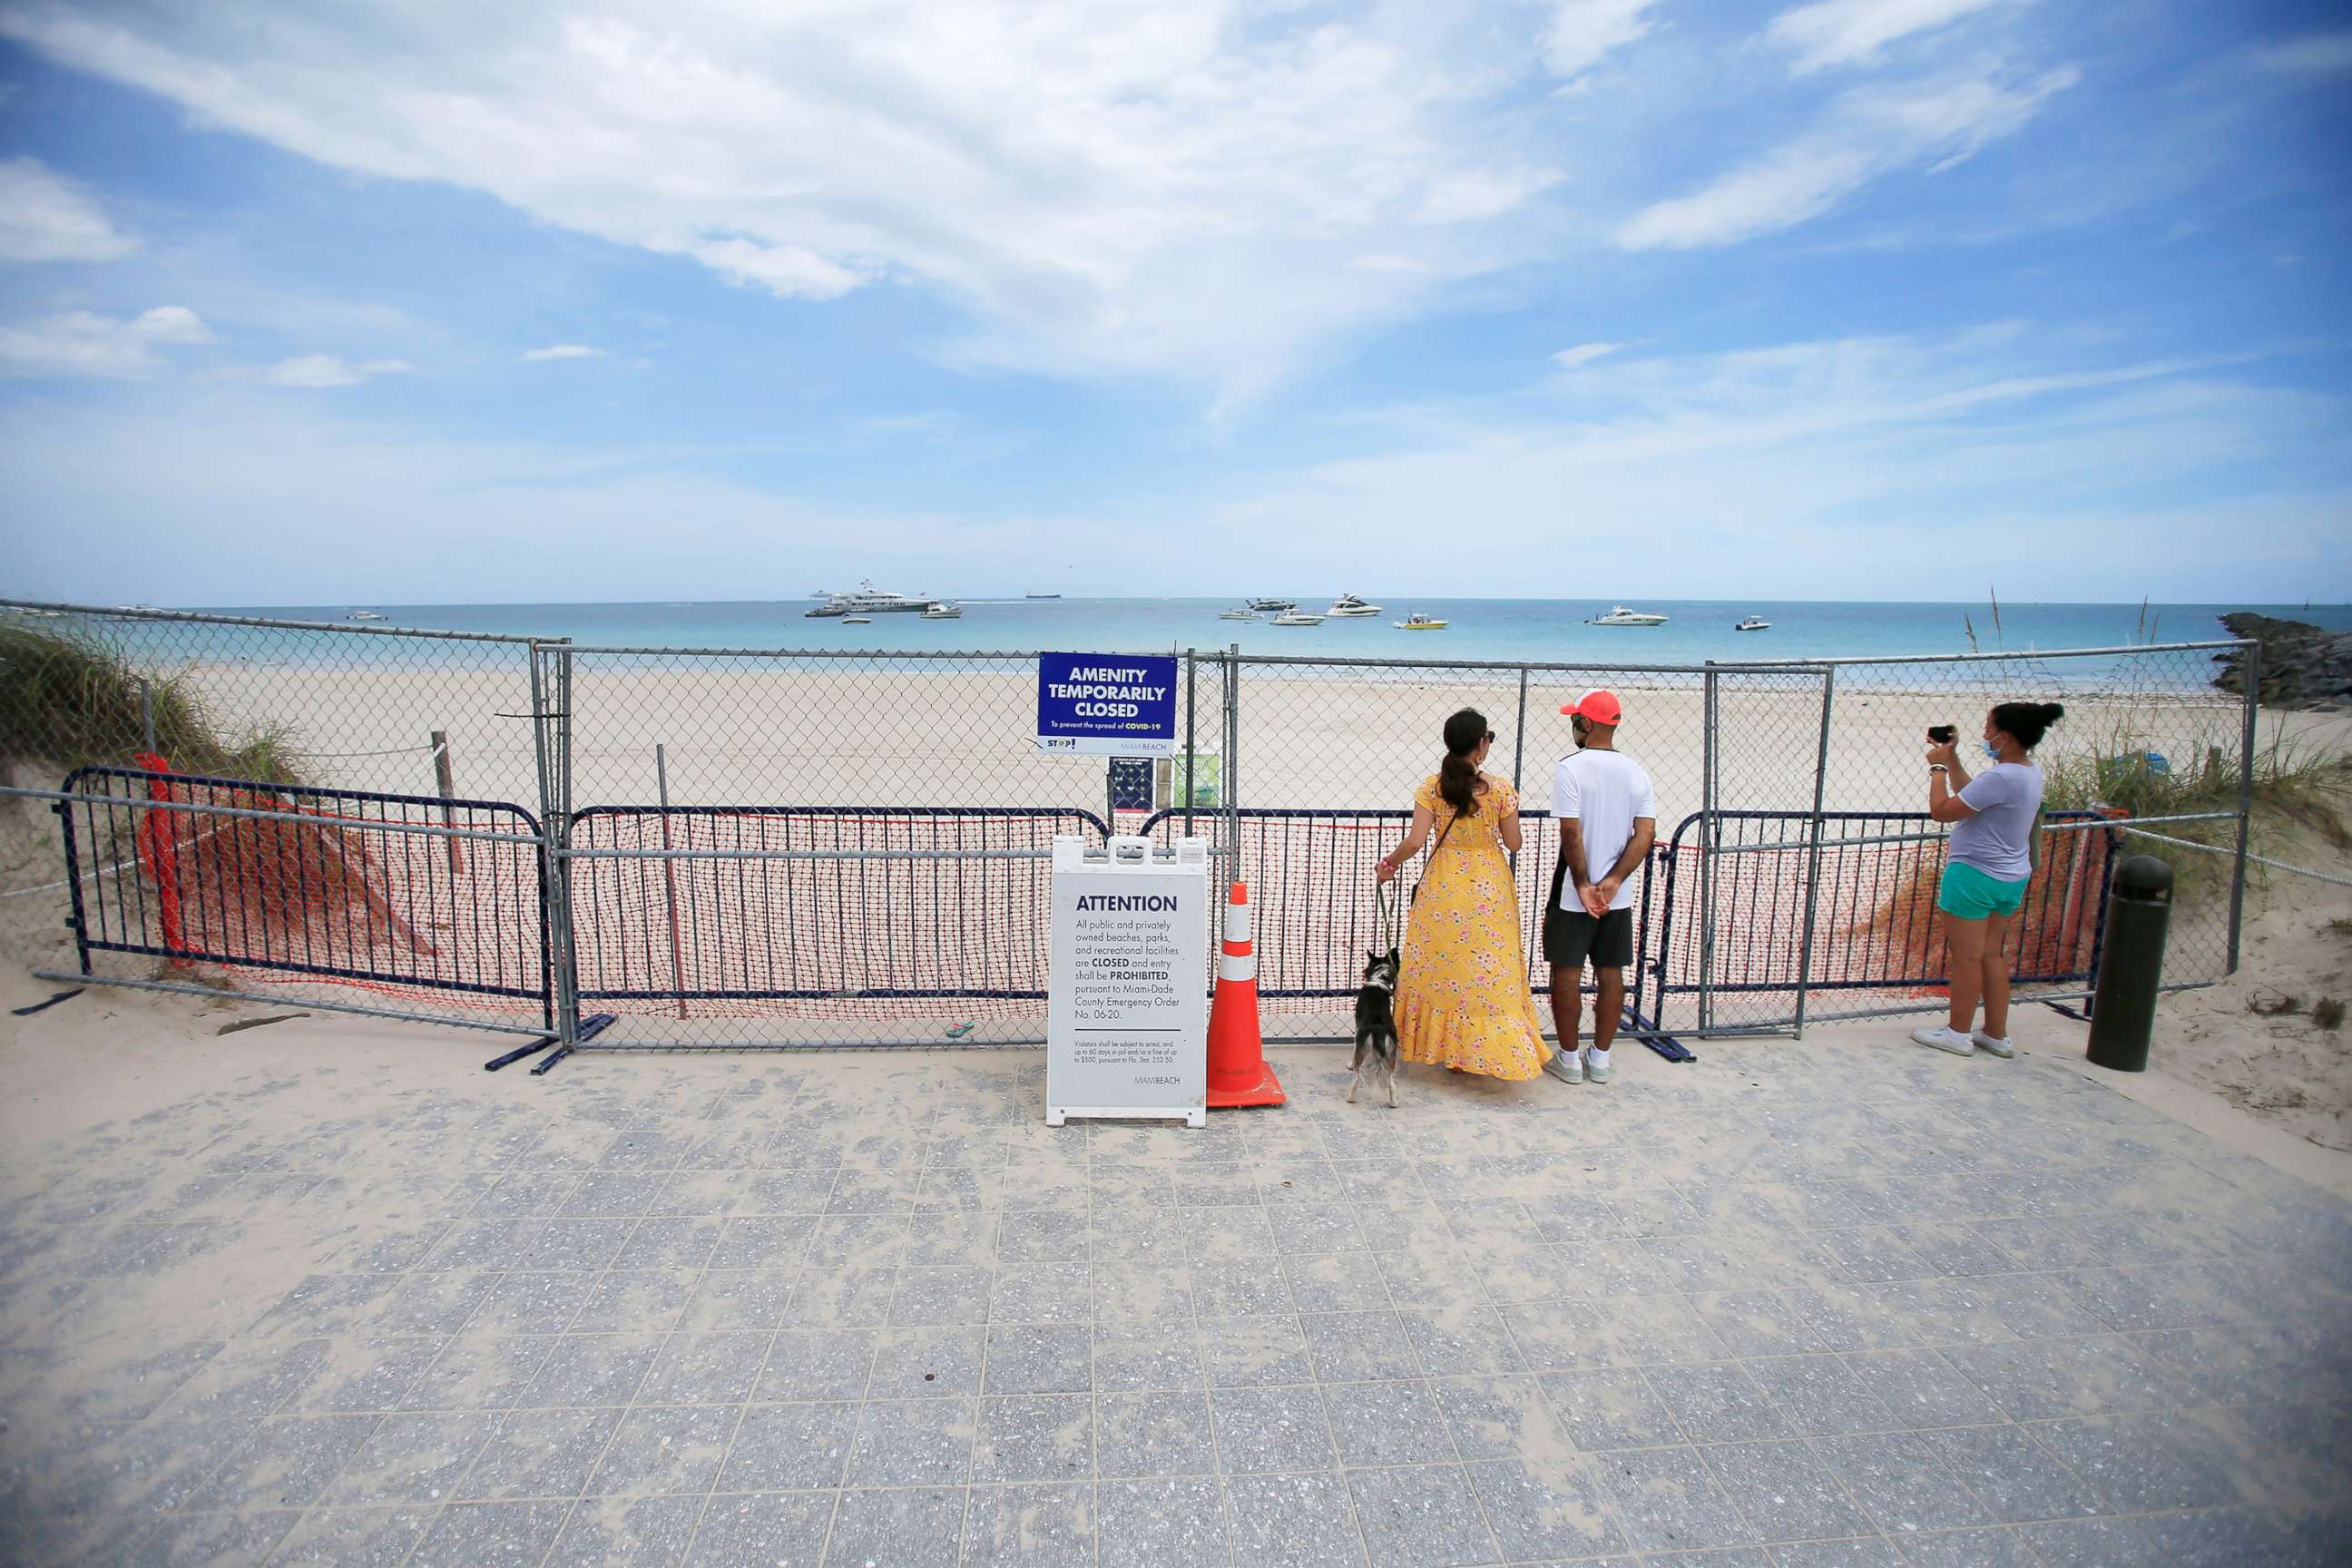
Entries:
{"x":1608,"y":817}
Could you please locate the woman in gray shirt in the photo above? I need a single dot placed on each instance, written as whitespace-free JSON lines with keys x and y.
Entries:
{"x":1986,"y":865}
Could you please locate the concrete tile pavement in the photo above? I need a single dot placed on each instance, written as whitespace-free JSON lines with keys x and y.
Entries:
{"x":1840,"y":1303}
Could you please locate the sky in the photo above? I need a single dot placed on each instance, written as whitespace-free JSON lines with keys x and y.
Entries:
{"x":414,"y":301}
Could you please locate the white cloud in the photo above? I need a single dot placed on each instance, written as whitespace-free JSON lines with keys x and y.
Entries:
{"x":79,"y":343}
{"x":560,"y":351}
{"x":1582,"y":31}
{"x":2314,"y":54}
{"x":44,"y":216}
{"x":326,"y":370}
{"x":1583,"y":353}
{"x":1104,"y":184}
{"x":1867,"y":134}
{"x":1842,"y":32}
{"x":1853,"y":467}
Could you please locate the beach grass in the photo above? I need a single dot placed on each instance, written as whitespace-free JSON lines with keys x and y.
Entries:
{"x":69,"y":698}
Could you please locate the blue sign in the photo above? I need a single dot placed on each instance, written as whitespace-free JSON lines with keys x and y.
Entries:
{"x":1107,"y":705}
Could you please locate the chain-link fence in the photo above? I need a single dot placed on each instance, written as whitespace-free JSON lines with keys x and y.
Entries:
{"x":338,"y":815}
{"x":752,"y":846}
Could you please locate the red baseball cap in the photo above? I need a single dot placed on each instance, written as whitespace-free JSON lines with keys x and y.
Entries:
{"x":1601,"y":707}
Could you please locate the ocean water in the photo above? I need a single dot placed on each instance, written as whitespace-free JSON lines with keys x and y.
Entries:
{"x":1501,"y":629}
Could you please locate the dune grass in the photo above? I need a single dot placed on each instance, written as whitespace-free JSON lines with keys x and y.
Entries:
{"x":68,"y":697}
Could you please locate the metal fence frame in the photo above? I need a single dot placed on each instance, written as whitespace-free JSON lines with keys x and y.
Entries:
{"x":1244,"y":683}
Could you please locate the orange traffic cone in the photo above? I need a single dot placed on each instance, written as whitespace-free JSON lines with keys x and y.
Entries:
{"x":1238,"y":1074}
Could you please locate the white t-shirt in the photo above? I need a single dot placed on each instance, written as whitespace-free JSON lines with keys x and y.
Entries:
{"x":1997,"y":840}
{"x":1605,"y":790}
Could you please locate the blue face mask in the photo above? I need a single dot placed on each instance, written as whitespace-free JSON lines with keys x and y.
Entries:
{"x":1992,"y":750}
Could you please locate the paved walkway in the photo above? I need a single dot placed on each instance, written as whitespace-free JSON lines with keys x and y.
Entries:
{"x":1846,"y":1304}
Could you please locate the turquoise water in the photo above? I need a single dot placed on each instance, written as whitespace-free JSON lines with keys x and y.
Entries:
{"x":1507,"y":629}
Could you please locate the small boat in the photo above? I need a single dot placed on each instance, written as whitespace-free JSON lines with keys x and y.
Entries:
{"x":1417,"y":621}
{"x":1242,"y":614}
{"x":1621,"y":617}
{"x":1753,"y":624}
{"x":1041,"y":596}
{"x":365,"y":615}
{"x":857,"y":620}
{"x":943,"y":612}
{"x":1295,"y":618}
{"x":1272,"y":607}
{"x":1347,"y":605}
{"x":870,"y":600}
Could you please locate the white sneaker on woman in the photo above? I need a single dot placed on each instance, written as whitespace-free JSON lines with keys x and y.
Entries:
{"x":1944,"y":1037}
{"x":1995,"y":1044}
{"x":1566,"y":1066}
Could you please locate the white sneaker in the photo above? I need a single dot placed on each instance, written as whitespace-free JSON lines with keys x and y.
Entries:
{"x":1944,"y":1037}
{"x":1596,"y":1066}
{"x":1992,"y":1044}
{"x":1566,"y":1066}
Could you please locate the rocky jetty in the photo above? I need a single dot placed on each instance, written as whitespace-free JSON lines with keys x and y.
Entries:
{"x":2302,"y":667}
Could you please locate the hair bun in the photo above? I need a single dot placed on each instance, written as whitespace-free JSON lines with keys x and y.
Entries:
{"x":2052,"y":711}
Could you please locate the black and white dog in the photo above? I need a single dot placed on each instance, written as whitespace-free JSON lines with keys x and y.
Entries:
{"x":1376,"y":1035}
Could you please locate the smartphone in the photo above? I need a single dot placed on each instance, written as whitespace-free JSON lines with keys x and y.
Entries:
{"x":1943,"y":734}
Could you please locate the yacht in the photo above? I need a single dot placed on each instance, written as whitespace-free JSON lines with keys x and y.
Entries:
{"x":1621,"y":617}
{"x":1417,"y":621}
{"x":365,"y":615}
{"x":1245,"y":614}
{"x":1753,"y":624}
{"x":1295,"y":618}
{"x":1347,"y":605}
{"x":871,"y":600}
{"x":1275,"y":607}
{"x":943,"y":611}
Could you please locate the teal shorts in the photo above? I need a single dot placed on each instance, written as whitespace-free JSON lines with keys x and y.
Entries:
{"x":1969,"y":894}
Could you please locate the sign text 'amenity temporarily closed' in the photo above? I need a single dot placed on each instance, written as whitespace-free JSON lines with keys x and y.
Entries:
{"x":1107,"y":705}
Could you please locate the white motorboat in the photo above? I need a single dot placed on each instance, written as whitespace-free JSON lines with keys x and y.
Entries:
{"x":1295,"y":618}
{"x":1753,"y":624}
{"x":857,"y":620}
{"x":1242,"y":614}
{"x":870,"y":600}
{"x":943,"y":612}
{"x":1275,"y":607}
{"x":365,"y":615}
{"x":1417,"y":621}
{"x":1621,"y":617}
{"x":1347,"y":605}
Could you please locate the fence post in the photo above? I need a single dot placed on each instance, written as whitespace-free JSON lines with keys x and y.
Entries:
{"x":1519,"y":734}
{"x":1228,"y":771}
{"x":549,"y":928}
{"x":2250,"y":672}
{"x":568,"y":976}
{"x":1191,"y":757}
{"x":1707,"y":840}
{"x":669,"y":875}
{"x":445,"y":778}
{"x":1813,"y":856}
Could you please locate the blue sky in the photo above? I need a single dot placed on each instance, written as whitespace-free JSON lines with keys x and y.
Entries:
{"x":1883,"y":299}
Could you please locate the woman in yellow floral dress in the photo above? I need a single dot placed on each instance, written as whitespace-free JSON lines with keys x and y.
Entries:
{"x":1462,"y":1000}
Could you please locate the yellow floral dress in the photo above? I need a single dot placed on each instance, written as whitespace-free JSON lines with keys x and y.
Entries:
{"x":1462,"y":996}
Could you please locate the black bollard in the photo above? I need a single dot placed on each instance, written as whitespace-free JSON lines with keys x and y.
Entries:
{"x":2131,"y":964}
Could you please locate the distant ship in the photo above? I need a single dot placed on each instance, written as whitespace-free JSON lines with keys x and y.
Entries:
{"x":1041,"y":596}
{"x":871,"y":600}
{"x":1621,"y":617}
